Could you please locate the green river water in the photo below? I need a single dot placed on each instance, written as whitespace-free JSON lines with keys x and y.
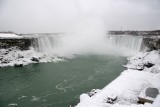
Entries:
{"x":57,"y":84}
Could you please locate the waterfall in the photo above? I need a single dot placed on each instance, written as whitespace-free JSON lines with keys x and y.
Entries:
{"x":64,"y":44}
{"x":131,"y":43}
{"x":48,"y":44}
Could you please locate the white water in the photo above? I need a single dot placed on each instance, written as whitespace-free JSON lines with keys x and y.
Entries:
{"x":49,"y":44}
{"x":65,"y":45}
{"x":130,"y":43}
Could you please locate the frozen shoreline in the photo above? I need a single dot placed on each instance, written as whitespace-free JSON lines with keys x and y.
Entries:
{"x":16,"y":57}
{"x":129,"y":84}
{"x":9,"y":35}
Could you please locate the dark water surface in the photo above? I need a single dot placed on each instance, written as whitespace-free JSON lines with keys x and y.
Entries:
{"x":56,"y":84}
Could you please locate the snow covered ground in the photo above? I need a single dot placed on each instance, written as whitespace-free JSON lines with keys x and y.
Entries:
{"x":143,"y":70}
{"x":16,"y":57}
{"x":9,"y":35}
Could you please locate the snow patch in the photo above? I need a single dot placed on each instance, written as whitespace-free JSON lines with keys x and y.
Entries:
{"x":9,"y":35}
{"x":16,"y":57}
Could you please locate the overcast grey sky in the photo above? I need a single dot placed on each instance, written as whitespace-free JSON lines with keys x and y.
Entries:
{"x":27,"y":16}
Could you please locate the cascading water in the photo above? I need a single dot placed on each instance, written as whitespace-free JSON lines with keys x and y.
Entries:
{"x":61,"y":44}
{"x":48,"y":44}
{"x":131,"y":43}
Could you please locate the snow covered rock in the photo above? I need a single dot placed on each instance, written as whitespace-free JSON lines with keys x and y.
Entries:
{"x":9,"y":35}
{"x":111,"y":98}
{"x":35,"y":59}
{"x":18,"y":58}
{"x":93,"y":92}
{"x":147,"y":61}
{"x":18,"y":65}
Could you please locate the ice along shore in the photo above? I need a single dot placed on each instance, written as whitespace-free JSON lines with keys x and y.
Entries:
{"x":142,"y":72}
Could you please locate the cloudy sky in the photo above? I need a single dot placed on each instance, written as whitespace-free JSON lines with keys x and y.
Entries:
{"x":28,"y":16}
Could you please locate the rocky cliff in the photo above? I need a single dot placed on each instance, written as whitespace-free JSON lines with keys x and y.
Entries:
{"x":136,"y":33}
{"x":21,"y":43}
{"x":152,"y":43}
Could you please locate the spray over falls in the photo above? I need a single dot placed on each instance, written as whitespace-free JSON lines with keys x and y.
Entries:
{"x":67,"y":44}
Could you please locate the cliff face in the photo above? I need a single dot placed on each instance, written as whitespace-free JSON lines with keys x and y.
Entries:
{"x":21,"y":43}
{"x":151,"y":39}
{"x":152,"y":43}
{"x":136,"y":33}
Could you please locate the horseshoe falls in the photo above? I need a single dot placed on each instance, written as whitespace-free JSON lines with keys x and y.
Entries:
{"x":66,"y":44}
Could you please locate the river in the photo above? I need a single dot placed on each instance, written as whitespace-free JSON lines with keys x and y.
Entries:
{"x":57,"y":84}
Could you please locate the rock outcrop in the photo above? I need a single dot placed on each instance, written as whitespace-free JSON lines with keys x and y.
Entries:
{"x":136,"y":33}
{"x":21,"y":43}
{"x":152,"y":43}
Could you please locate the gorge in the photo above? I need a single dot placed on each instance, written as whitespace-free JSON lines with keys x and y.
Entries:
{"x":22,"y":85}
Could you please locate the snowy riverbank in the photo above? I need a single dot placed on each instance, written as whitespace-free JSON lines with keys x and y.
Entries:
{"x":143,"y":70}
{"x":16,"y":57}
{"x":9,"y":35}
